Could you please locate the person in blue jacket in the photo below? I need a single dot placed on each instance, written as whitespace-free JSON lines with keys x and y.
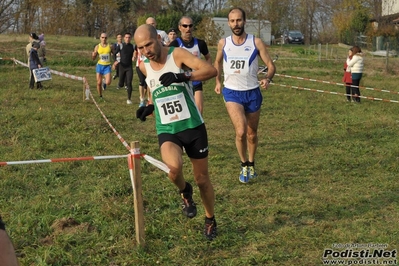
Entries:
{"x":34,"y":63}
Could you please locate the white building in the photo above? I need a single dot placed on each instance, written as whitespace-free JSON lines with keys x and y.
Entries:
{"x":259,"y":28}
{"x":390,"y":7}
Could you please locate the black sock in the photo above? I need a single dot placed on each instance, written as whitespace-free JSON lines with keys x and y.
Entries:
{"x":244,"y":164}
{"x":251,"y":163}
{"x":209,"y":220}
{"x":187,"y":188}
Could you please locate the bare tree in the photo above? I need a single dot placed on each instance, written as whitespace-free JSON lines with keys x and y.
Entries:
{"x":27,"y":12}
{"x":276,"y":13}
{"x":8,"y":9}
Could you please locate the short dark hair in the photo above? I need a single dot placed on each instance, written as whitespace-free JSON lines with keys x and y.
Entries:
{"x":34,"y":36}
{"x":172,"y":30}
{"x":242,"y":11}
{"x":36,"y":45}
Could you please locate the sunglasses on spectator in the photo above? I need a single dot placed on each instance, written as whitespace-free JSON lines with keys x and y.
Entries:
{"x":187,"y":25}
{"x":103,"y":37}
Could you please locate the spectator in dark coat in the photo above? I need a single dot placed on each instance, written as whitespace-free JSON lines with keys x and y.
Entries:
{"x":32,"y":39}
{"x":34,"y":63}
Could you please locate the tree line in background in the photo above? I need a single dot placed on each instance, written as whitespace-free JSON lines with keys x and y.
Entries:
{"x":325,"y":21}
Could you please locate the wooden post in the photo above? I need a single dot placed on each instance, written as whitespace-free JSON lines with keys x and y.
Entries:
{"x":326,"y":50}
{"x":387,"y":58}
{"x":319,"y":50}
{"x":84,"y":90}
{"x":135,"y":175}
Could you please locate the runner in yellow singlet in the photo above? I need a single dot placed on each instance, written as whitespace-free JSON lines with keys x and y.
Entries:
{"x":103,"y":68}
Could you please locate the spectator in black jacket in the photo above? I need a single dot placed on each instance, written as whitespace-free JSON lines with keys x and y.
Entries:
{"x":34,"y":63}
{"x":126,"y":65}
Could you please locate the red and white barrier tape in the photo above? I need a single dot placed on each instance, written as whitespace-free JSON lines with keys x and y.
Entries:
{"x":110,"y":125}
{"x":54,"y":72}
{"x":335,"y":93}
{"x":335,"y":83}
{"x":148,"y":158}
{"x":156,"y":163}
{"x":58,"y":160}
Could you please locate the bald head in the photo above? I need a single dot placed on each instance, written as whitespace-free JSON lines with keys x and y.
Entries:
{"x":151,"y":21}
{"x":148,"y":42}
{"x":146,"y":31}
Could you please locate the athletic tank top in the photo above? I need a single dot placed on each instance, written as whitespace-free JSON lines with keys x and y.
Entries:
{"x":175,"y":108}
{"x":240,"y":64}
{"x":195,"y":50}
{"x":104,"y":54}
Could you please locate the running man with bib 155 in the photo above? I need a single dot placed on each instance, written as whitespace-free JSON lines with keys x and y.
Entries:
{"x":178,"y":121}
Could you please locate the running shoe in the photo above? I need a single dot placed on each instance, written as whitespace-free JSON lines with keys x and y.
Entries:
{"x":252,"y":172}
{"x":142,"y":104}
{"x":210,"y":229}
{"x":189,"y":208}
{"x":244,"y":177}
{"x":129,"y":102}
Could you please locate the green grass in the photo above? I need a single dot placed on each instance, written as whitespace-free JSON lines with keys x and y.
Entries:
{"x":327,"y":169}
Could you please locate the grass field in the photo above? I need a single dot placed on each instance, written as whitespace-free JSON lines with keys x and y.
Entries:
{"x":327,"y":168}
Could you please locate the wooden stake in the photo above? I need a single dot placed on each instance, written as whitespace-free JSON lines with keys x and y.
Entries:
{"x":135,"y":174}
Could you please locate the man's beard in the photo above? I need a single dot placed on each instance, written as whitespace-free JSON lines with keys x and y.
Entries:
{"x":240,"y":32}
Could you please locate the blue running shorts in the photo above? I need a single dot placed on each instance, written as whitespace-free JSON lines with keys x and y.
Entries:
{"x":103,"y":70}
{"x":251,"y":99}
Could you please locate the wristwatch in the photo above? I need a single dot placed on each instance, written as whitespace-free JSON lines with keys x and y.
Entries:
{"x":269,"y":80}
{"x":187,"y":74}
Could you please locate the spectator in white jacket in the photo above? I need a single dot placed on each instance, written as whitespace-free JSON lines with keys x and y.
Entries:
{"x":355,"y":66}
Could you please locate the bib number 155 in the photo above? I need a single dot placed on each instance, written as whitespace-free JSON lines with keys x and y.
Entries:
{"x":170,"y":108}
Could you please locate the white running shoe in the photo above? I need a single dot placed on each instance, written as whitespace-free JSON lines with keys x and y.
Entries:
{"x":129,"y":102}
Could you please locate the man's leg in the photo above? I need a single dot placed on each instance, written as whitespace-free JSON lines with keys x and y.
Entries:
{"x":237,"y":117}
{"x":122,"y":77}
{"x":129,"y":79}
{"x":172,"y":156}
{"x":99,"y":79}
{"x":142,"y":87}
{"x":252,"y":134}
{"x":201,"y":176}
{"x":116,"y":72}
{"x":240,"y":123}
{"x":199,"y":100}
{"x":107,"y":77}
{"x":141,"y":96}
